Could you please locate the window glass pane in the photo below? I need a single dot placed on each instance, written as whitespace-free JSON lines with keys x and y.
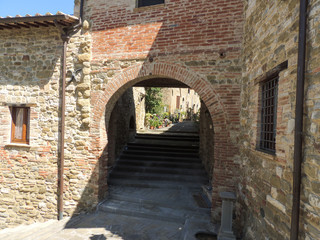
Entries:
{"x":143,"y":3}
{"x":18,"y":123}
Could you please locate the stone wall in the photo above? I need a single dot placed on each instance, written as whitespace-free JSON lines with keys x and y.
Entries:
{"x":29,"y":74}
{"x":140,"y":106}
{"x":310,"y":197}
{"x":119,"y":130}
{"x":271,"y":38}
{"x":206,"y":132}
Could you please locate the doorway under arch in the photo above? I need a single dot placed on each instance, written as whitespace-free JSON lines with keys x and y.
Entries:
{"x":225,"y":174}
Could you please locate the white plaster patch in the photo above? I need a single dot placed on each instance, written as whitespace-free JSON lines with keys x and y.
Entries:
{"x":276,"y":204}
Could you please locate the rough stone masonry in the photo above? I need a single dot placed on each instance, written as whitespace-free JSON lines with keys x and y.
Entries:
{"x":219,"y":48}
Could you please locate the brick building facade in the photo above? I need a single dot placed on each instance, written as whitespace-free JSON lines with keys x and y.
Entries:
{"x":224,"y":50}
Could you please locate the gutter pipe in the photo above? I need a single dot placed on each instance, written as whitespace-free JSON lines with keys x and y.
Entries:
{"x":66,"y":34}
{"x":61,"y":140}
{"x":298,"y":136}
{"x":81,"y":10}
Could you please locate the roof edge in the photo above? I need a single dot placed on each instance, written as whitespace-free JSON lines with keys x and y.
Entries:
{"x":38,"y":18}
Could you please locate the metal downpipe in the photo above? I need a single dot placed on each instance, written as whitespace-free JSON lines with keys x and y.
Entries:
{"x":81,"y":10}
{"x":298,"y":136}
{"x":62,"y":134}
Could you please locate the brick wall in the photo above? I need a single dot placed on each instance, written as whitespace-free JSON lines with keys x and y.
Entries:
{"x":198,"y":43}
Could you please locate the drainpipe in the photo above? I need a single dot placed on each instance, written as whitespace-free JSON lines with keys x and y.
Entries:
{"x":81,"y":10}
{"x":65,"y":39}
{"x":294,"y":234}
{"x":66,"y":34}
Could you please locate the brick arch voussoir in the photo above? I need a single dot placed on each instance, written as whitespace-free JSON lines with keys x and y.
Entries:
{"x":180,"y":73}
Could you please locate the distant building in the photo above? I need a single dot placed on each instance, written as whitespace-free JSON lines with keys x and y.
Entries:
{"x":181,"y":99}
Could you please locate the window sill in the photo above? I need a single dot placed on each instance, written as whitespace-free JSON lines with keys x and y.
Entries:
{"x":18,"y":145}
{"x":263,"y":154}
{"x":146,"y":8}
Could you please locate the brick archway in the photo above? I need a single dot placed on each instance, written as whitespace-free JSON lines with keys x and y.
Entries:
{"x":104,"y":103}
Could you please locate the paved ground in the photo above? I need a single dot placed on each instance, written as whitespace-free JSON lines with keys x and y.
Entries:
{"x":99,"y":226}
{"x":103,"y":226}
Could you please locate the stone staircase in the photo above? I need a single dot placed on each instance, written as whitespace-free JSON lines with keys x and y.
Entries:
{"x":160,"y":177}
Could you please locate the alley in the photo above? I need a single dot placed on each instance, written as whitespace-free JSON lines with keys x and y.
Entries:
{"x":155,"y":192}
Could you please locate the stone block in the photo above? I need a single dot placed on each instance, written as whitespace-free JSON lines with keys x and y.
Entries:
{"x":310,"y":170}
{"x":86,"y":71}
{"x":276,"y":204}
{"x":83,"y":87}
{"x":314,"y":200}
{"x":85,"y":57}
{"x":275,"y":181}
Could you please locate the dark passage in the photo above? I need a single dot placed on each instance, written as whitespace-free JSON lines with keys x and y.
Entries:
{"x":159,"y":177}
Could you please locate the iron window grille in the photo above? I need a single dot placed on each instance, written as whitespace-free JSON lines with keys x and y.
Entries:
{"x":268,"y":115}
{"x":144,"y":3}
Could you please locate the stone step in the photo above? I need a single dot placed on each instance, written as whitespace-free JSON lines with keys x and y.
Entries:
{"x":158,"y":177}
{"x":173,"y":143}
{"x":166,"y":170}
{"x":168,"y":164}
{"x":128,"y":156}
{"x":148,"y":210}
{"x":155,"y":183}
{"x":160,"y":153}
{"x":167,"y":148}
{"x":176,"y":137}
{"x":174,"y":198}
{"x":170,"y":132}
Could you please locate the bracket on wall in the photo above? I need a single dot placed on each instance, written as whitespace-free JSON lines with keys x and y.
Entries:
{"x":73,"y":76}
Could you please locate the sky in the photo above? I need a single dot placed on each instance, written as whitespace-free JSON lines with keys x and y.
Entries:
{"x":23,"y":7}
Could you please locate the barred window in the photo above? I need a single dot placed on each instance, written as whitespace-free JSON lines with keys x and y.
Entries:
{"x":269,"y":97}
{"x":144,"y":3}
